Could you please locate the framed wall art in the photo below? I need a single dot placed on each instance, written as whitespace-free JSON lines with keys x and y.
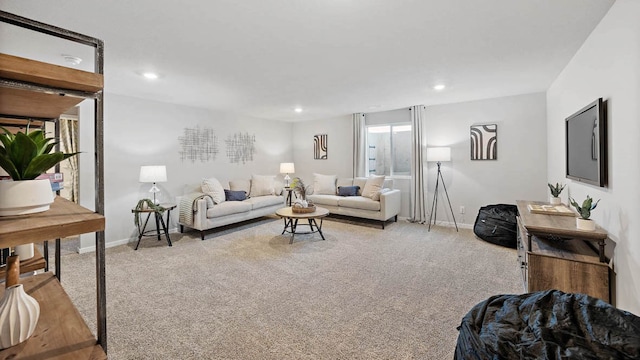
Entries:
{"x":320,"y":147}
{"x":484,"y":142}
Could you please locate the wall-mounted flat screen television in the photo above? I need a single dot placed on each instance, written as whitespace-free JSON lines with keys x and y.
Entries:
{"x":586,"y":145}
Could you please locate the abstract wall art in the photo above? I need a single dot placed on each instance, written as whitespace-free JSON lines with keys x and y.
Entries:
{"x":198,"y":144}
{"x":484,"y":142}
{"x":240,"y":147}
{"x":320,"y":147}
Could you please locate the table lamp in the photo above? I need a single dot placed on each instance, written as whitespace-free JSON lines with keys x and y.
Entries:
{"x":287,"y":168}
{"x":153,"y":174}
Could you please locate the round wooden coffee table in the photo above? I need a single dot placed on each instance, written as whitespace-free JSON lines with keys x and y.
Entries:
{"x":291,"y":221}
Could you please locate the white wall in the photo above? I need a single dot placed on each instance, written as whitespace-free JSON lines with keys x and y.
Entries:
{"x":142,"y":132}
{"x":608,"y":66}
{"x":518,"y":173}
{"x":339,"y":148}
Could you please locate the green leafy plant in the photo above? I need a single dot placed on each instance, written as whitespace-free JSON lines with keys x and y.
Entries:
{"x":556,"y":190}
{"x":585,"y":209}
{"x":27,"y":155}
{"x":145,"y":204}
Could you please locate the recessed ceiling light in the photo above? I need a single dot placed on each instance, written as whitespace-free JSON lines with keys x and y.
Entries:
{"x":298,"y":110}
{"x":150,"y":75}
{"x":439,"y":87}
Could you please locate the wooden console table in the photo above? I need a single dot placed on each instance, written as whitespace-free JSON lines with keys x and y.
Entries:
{"x":554,"y":254}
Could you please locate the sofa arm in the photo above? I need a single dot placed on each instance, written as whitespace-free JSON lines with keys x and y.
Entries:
{"x":390,"y":203}
{"x":193,"y":209}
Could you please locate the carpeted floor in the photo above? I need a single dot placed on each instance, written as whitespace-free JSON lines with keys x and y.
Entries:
{"x":245,"y":293}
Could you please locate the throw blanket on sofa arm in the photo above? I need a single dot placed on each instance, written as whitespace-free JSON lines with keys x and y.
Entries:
{"x":188,"y":206}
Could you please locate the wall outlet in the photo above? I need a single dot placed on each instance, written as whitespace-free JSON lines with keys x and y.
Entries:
{"x":461,"y":209}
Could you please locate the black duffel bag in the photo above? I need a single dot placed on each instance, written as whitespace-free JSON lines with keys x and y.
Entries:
{"x":497,"y":224}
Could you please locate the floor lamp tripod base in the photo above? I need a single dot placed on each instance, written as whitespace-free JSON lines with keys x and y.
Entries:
{"x":434,"y":204}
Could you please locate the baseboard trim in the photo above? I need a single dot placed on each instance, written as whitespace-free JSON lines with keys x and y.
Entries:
{"x":110,"y":244}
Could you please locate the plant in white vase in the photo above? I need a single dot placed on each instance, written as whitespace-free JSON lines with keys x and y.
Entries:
{"x":555,"y":193}
{"x":300,"y":189}
{"x":583,"y":222}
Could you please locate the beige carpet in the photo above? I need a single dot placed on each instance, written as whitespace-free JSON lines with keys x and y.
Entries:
{"x":245,"y":293}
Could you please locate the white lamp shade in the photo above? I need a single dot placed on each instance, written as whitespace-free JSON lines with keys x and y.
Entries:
{"x":153,"y":173}
{"x":439,"y":154}
{"x":287,"y":168}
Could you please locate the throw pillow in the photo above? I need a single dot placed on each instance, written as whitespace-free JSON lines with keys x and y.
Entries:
{"x":324,"y":184}
{"x":235,"y":195}
{"x":213,"y":188}
{"x":262,"y":185}
{"x":348,"y":190}
{"x":373,"y":186}
{"x":240,"y":185}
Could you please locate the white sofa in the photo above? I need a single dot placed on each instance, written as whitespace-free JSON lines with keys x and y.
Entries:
{"x":199,"y":211}
{"x":383,"y":207}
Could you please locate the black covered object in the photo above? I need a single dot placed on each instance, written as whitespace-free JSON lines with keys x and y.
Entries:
{"x":547,"y":325}
{"x":497,"y":224}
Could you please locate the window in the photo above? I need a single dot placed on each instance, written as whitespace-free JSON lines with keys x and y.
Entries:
{"x":389,"y":150}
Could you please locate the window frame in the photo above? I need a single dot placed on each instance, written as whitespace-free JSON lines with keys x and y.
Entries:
{"x":391,"y":144}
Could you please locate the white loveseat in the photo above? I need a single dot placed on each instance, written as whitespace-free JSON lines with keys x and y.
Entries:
{"x":203,"y":207}
{"x":378,"y":202}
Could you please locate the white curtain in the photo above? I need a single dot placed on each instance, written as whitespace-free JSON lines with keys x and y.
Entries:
{"x":359,"y":145}
{"x":69,"y":141}
{"x":418,"y":205}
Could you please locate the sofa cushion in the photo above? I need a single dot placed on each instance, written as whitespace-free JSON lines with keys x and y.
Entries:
{"x":240,"y":185}
{"x":324,"y":199}
{"x":228,"y":208}
{"x":262,"y":185}
{"x":359,"y":202}
{"x":324,"y":184}
{"x":360,"y":181}
{"x":348,"y":190}
{"x":213,"y":188}
{"x":259,"y":202}
{"x":373,"y":186}
{"x":231,"y":195}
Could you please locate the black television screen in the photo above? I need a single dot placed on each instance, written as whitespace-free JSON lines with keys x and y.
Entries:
{"x":586,"y":147}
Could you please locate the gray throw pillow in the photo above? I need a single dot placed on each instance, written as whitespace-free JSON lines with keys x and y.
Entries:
{"x":234,"y":195}
{"x":348,"y":190}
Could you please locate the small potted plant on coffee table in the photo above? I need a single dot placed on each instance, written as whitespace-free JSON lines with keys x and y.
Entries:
{"x":555,"y":193}
{"x":583,"y":222}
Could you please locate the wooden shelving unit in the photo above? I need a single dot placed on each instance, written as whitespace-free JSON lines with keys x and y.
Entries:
{"x":553,"y":254}
{"x":40,"y":91}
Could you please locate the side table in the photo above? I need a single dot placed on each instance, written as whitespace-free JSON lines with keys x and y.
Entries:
{"x":159,"y":221}
{"x":289,"y":191}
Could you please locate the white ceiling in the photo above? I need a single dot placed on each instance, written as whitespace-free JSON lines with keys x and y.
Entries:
{"x":263,"y":58}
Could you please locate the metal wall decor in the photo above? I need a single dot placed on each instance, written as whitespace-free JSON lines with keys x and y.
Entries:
{"x":198,"y":144}
{"x":484,"y":142}
{"x":320,"y":147}
{"x":240,"y":147}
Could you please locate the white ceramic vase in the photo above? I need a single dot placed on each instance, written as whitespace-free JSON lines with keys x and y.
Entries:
{"x":585,"y":224}
{"x":25,"y":197}
{"x":19,"y":315}
{"x":554,"y":200}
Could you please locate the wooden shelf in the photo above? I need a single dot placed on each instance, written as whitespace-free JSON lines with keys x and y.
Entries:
{"x":562,"y":226}
{"x":35,"y":104}
{"x":64,"y":218}
{"x":61,"y":332}
{"x":35,"y":263}
{"x":37,"y":72}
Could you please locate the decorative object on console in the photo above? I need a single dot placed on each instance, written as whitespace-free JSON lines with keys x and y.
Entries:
{"x":19,"y":312}
{"x":320,"y":147}
{"x":25,"y":156}
{"x":240,"y":147}
{"x":198,"y":144}
{"x":484,"y":142}
{"x":439,"y":154}
{"x":287,"y":168}
{"x":583,"y":222}
{"x":153,"y":174}
{"x":555,"y":193}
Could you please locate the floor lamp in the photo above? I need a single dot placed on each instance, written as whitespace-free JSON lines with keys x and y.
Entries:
{"x":439,"y":154}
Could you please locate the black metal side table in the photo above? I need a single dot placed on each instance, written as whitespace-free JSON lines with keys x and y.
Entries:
{"x":289,"y":191}
{"x":159,"y":221}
